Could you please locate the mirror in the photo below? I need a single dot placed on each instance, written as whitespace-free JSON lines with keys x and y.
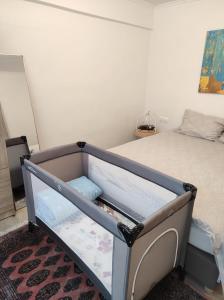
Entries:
{"x":18,"y":135}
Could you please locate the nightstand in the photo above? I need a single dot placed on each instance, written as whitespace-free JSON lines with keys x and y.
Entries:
{"x":144,"y":133}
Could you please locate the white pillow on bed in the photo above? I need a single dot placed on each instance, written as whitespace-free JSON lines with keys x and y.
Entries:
{"x":200,"y":125}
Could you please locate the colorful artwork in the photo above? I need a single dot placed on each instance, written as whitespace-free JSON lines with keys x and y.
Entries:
{"x":212,"y":73}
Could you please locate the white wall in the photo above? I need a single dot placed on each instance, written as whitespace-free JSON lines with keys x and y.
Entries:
{"x":87,"y":76}
{"x":135,"y":12}
{"x":175,"y":58}
{"x":15,"y":99}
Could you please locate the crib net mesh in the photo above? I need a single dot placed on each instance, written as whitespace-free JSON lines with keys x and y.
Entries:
{"x":89,"y":240}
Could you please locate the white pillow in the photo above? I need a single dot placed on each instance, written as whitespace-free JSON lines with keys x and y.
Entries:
{"x":200,"y":125}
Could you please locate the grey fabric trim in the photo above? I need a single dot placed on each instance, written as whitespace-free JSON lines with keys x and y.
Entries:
{"x":169,"y":183}
{"x":53,"y":153}
{"x":165,"y":212}
{"x":85,"y":163}
{"x":86,"y":206}
{"x":182,"y":255}
{"x":121,"y":260}
{"x":29,"y":195}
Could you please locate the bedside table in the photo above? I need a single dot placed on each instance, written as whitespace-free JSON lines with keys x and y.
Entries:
{"x":144,"y":133}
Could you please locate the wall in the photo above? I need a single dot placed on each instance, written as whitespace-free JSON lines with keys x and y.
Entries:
{"x":15,"y":99}
{"x":135,"y":12}
{"x":175,"y":58}
{"x":87,"y":76}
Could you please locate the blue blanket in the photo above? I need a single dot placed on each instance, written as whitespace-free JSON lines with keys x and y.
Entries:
{"x":53,"y":208}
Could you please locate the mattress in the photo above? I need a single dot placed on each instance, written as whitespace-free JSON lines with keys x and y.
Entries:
{"x":200,"y":238}
{"x":199,"y":162}
{"x":91,"y":242}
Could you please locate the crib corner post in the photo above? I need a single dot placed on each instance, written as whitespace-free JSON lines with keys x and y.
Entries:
{"x":81,"y":144}
{"x":130,"y":235}
{"x":22,"y":159}
{"x":121,"y":264}
{"x":28,"y":193}
{"x":31,"y":227}
{"x":188,"y":187}
{"x":181,"y":273}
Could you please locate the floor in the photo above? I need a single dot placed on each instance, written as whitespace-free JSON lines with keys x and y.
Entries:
{"x":21,"y":219}
{"x":217,"y":294}
{"x":14,"y":222}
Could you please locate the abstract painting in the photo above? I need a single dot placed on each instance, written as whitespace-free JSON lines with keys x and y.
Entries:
{"x":212,"y":72}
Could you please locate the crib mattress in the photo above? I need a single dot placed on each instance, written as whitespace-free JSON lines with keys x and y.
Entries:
{"x":191,"y":160}
{"x":91,"y":242}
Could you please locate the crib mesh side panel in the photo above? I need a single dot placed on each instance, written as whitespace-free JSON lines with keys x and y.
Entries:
{"x":137,"y":196}
{"x":92,"y":243}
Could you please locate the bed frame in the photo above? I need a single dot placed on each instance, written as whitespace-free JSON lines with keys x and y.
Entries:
{"x":141,"y":256}
{"x":201,"y":267}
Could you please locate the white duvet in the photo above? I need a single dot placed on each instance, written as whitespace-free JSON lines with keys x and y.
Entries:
{"x":192,"y":160}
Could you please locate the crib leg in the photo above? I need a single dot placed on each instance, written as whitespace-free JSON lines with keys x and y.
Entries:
{"x":181,"y":273}
{"x":31,"y":227}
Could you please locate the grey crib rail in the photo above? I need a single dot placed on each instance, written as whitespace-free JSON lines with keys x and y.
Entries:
{"x":185,"y":192}
{"x":87,"y":207}
{"x":174,"y":185}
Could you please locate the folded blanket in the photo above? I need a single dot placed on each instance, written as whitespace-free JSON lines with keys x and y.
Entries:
{"x":53,"y":208}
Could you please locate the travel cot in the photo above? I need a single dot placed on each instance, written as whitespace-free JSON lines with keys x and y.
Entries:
{"x":131,"y":236}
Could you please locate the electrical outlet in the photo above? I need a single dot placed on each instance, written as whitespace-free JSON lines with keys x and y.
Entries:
{"x":163,"y":119}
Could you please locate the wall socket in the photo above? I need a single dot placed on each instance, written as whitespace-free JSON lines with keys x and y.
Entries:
{"x":163,"y":120}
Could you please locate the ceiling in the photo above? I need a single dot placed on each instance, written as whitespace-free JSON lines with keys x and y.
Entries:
{"x":159,"y":1}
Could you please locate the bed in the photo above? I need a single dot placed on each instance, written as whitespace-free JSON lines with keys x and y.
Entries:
{"x":202,"y":162}
{"x":140,"y":222}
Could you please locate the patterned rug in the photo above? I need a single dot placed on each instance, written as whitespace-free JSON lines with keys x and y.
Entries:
{"x":34,"y":267}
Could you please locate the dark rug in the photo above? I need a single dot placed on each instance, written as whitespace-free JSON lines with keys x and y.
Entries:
{"x":33,"y":267}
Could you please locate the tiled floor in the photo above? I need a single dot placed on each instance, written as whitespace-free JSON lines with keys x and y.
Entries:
{"x":14,"y":222}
